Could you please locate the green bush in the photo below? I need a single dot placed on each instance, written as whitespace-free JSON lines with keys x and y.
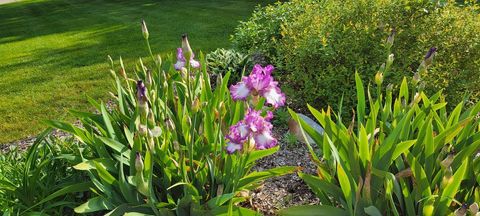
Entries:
{"x":319,"y":44}
{"x":403,"y":154}
{"x":221,"y":61}
{"x":28,"y":179}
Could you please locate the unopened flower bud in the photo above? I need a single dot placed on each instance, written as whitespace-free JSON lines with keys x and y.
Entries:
{"x":417,"y":97}
{"x":141,"y":94}
{"x":176,"y":146}
{"x":216,"y":113}
{"x":379,"y":78}
{"x":219,"y":80}
{"x":390,"y":87}
{"x":447,"y":161}
{"x":187,"y":50}
{"x":474,"y":209}
{"x":151,"y":119}
{"x":390,"y":60}
{"x":122,"y":73}
{"x":221,"y":107}
{"x":196,"y":105}
{"x":144,"y":29}
{"x":138,"y":162}
{"x":429,"y":56}
{"x":462,"y":211}
{"x":184,"y":72}
{"x":149,"y":77}
{"x":416,"y":78}
{"x":159,"y":60}
{"x":151,"y":144}
{"x":428,"y":207}
{"x":112,"y":73}
{"x":447,"y":177}
{"x":382,"y":68}
{"x":110,"y":60}
{"x":391,"y":38}
{"x":142,"y":129}
{"x":170,"y":125}
{"x":155,"y":132}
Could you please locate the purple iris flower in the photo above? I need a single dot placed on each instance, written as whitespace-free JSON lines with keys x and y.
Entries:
{"x":180,"y":60}
{"x":254,"y":127}
{"x":259,"y":82}
{"x":260,"y":78}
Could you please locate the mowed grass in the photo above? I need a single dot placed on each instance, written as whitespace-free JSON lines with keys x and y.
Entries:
{"x":53,"y":53}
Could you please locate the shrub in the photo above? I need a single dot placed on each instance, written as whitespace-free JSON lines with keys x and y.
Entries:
{"x":166,"y":148}
{"x":319,"y":44}
{"x":29,"y":179}
{"x":401,"y":155}
{"x":221,"y":61}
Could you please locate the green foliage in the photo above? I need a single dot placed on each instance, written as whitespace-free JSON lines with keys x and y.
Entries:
{"x":162,"y":151}
{"x":290,"y":139}
{"x":319,"y":44}
{"x":281,"y":117}
{"x":404,"y":154}
{"x":29,"y":179}
{"x":221,"y":61}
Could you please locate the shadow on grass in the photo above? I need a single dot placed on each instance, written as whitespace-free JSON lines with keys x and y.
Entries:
{"x":53,"y":52}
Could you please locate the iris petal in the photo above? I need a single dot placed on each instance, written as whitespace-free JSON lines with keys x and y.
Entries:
{"x":240,"y":91}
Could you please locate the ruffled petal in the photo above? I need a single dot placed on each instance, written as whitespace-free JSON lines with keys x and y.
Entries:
{"x":268,"y":70}
{"x":274,"y":96}
{"x":232,"y":147}
{"x":256,"y":122}
{"x":180,"y":60}
{"x":238,"y":132}
{"x":258,"y":79}
{"x":269,"y":116}
{"x":180,"y":55}
{"x":240,"y":91}
{"x":264,"y":140}
{"x":194,"y":63}
{"x":179,"y":65}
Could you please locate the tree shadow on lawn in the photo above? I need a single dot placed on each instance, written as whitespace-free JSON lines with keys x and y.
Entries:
{"x":54,"y":52}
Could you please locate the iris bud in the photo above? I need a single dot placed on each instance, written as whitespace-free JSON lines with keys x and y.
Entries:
{"x":379,"y":78}
{"x":149,"y":77}
{"x":187,"y":50}
{"x":142,"y":129}
{"x":474,"y":209}
{"x":196,"y":105}
{"x":390,"y":60}
{"x":122,"y":73}
{"x":141,"y":94}
{"x":462,"y":211}
{"x":138,"y":162}
{"x":447,"y":161}
{"x":390,"y":87}
{"x":144,"y":29}
{"x":391,"y":38}
{"x":429,"y":56}
{"x":159,"y":60}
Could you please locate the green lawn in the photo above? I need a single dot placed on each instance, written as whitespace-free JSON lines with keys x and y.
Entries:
{"x":53,"y":53}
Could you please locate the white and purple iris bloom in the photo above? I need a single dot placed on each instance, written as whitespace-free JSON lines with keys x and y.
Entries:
{"x":254,"y":127}
{"x":181,"y":61}
{"x":259,"y":82}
